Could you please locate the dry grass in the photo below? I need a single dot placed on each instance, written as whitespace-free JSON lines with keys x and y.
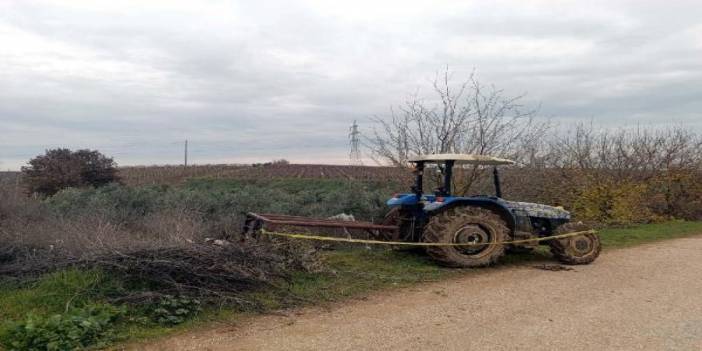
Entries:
{"x":157,"y":253}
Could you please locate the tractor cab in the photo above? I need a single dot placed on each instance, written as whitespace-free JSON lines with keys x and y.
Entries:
{"x":444,"y":164}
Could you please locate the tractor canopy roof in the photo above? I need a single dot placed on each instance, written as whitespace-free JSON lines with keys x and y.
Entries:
{"x":463,"y":159}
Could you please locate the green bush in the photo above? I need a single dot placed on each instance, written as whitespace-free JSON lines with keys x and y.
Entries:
{"x":116,"y":202}
{"x":88,"y":326}
{"x":175,"y":310}
{"x":213,"y":200}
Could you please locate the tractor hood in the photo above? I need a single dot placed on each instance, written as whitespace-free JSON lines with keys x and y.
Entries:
{"x":407,"y":199}
{"x":536,"y":210}
{"x":527,"y":209}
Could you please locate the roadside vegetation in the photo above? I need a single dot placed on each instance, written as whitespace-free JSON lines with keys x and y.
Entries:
{"x":87,"y":267}
{"x":91,"y":254}
{"x":113,"y":262}
{"x":81,"y":302}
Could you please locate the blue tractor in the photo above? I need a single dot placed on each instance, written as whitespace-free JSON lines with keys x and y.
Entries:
{"x":487,"y":224}
{"x":441,"y":217}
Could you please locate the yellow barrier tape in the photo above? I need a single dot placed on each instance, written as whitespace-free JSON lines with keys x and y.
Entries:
{"x":405,"y":243}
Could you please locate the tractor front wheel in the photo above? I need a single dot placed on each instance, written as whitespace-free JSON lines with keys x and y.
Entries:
{"x":579,"y":249}
{"x":479,"y":227}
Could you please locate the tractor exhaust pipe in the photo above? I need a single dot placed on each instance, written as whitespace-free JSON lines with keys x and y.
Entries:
{"x":496,"y":179}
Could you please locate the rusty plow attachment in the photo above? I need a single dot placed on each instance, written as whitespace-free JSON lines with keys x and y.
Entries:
{"x":255,"y":222}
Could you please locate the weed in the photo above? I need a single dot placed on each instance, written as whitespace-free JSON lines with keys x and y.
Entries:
{"x":55,"y":293}
{"x":88,"y":326}
{"x":175,"y":310}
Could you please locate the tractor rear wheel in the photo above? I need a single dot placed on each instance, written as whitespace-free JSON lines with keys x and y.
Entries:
{"x":579,"y":249}
{"x":467,"y":224}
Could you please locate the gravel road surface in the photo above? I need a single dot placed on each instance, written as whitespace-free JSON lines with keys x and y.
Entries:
{"x":643,"y":298}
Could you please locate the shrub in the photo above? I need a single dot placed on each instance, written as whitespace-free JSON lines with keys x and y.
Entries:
{"x":281,"y":161}
{"x":62,"y":168}
{"x":219,"y":203}
{"x":175,"y":310}
{"x":613,"y":202}
{"x":677,"y":193}
{"x":88,"y":326}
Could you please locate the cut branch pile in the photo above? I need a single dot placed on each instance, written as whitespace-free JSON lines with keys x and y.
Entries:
{"x":222,"y":273}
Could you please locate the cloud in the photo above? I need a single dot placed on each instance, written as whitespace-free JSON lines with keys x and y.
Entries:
{"x":262,"y":80}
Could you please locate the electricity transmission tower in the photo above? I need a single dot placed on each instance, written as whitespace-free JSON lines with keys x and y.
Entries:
{"x":355,"y":142}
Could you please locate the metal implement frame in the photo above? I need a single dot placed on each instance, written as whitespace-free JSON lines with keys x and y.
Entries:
{"x":256,"y":221}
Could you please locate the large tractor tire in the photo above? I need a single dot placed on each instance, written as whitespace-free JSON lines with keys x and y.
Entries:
{"x":466,"y":225}
{"x":580,"y":249}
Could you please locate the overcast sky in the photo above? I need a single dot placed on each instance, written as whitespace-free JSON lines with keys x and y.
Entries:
{"x":257,"y":80}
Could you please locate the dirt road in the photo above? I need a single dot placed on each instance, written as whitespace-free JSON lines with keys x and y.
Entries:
{"x":643,"y":298}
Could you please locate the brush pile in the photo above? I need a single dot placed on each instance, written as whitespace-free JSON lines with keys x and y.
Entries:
{"x":207,"y":271}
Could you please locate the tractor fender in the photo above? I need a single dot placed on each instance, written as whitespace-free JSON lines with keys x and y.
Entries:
{"x":490,"y":204}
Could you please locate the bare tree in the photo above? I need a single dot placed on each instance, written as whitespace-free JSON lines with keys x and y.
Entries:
{"x":644,"y":151}
{"x":467,"y":117}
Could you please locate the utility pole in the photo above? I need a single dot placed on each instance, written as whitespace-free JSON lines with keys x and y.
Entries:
{"x":355,"y":142}
{"x":17,"y":186}
{"x":186,"y":153}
